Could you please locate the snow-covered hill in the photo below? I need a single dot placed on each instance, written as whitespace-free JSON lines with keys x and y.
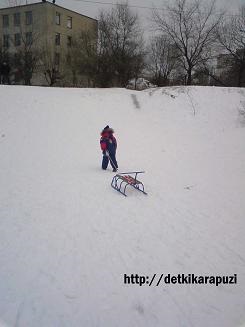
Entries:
{"x":67,"y":238}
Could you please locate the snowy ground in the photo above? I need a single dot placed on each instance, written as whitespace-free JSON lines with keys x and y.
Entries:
{"x":67,"y":238}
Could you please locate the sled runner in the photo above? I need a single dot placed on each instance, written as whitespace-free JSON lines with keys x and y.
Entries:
{"x":121,"y":181}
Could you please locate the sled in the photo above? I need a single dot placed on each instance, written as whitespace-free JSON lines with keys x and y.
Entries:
{"x":121,"y":181}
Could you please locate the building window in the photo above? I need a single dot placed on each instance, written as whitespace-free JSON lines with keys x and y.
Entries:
{"x":57,"y":18}
{"x":6,"y":41}
{"x":57,"y":39}
{"x":69,"y":22}
{"x":28,"y":17}
{"x":29,"y":38}
{"x":17,"y":19}
{"x":69,"y":41}
{"x":57,"y":59}
{"x":5,"y":20}
{"x":17,"y":40}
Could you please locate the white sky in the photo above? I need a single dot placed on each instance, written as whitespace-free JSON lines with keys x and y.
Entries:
{"x":92,"y":10}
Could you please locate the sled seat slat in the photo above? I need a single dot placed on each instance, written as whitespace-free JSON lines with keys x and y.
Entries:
{"x":129,"y":179}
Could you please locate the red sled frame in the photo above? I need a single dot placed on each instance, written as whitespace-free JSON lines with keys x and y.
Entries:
{"x":121,"y":181}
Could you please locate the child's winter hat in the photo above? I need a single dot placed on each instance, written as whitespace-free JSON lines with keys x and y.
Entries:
{"x":108,"y":129}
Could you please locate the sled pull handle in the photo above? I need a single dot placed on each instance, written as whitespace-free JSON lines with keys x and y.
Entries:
{"x":133,"y":172}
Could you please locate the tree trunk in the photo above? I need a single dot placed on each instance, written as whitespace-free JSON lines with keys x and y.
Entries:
{"x":135,"y":83}
{"x":240,"y":75}
{"x":189,"y":76}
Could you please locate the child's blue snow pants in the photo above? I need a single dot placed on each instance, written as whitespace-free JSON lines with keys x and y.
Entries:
{"x":112,"y":160}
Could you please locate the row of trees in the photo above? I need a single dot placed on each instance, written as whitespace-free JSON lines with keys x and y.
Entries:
{"x":192,"y":38}
{"x":30,"y":58}
{"x":188,"y":38}
{"x":119,"y":53}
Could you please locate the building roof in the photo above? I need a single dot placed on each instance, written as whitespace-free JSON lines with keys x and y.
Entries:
{"x":49,"y":3}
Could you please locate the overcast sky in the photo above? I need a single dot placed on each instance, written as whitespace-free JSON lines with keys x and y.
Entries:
{"x":92,"y":9}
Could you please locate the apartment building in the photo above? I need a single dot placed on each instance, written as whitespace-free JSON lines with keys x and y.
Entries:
{"x":45,"y":26}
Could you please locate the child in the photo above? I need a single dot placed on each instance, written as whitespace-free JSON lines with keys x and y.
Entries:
{"x":108,"y":145}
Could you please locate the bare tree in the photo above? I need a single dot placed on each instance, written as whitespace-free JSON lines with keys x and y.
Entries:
{"x":163,"y":58}
{"x":113,"y":54}
{"x":208,"y":70}
{"x":231,"y":35}
{"x":26,"y":55}
{"x":138,"y":64}
{"x":191,"y":28}
{"x":106,"y":71}
{"x":3,"y":53}
{"x":50,"y":64}
{"x":82,"y":58}
{"x":120,"y":42}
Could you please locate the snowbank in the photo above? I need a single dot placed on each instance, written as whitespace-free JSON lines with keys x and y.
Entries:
{"x":67,"y":238}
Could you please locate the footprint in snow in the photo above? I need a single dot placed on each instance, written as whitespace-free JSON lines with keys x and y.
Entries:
{"x":140,"y":309}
